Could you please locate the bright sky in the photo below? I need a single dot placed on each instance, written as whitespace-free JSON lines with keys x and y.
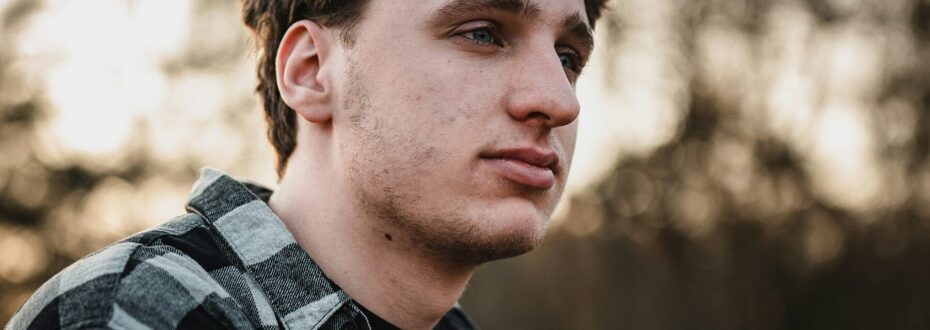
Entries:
{"x":99,"y":59}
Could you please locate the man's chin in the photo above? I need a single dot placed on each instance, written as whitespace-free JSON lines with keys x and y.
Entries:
{"x":483,"y":232}
{"x":499,"y":237}
{"x":496,"y":246}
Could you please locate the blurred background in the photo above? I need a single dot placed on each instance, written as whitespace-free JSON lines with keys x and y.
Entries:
{"x":741,"y":164}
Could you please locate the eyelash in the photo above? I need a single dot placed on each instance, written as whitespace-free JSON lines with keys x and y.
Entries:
{"x":495,"y":31}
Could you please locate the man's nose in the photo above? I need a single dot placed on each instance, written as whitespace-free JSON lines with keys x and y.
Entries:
{"x":540,"y":92}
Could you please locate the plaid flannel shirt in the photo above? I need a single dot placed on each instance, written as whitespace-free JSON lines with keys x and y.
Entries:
{"x":229,"y":263}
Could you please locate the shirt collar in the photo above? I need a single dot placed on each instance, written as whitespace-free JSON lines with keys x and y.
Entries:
{"x":261,"y":245}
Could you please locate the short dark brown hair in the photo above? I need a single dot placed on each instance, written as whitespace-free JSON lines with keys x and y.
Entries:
{"x":269,"y":20}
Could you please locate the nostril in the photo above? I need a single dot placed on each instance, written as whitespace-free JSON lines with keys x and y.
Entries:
{"x":537,"y":118}
{"x":539,"y":115}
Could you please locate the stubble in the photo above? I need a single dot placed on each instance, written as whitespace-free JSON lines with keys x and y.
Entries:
{"x":387,"y":188}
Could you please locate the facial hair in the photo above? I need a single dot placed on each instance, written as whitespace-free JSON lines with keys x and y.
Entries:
{"x":382,"y":190}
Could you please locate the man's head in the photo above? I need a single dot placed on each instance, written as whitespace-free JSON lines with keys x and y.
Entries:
{"x":269,"y":19}
{"x":454,"y":120}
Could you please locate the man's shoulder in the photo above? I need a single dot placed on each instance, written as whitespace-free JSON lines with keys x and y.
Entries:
{"x":157,"y":277}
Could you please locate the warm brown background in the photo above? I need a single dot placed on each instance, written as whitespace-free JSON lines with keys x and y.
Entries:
{"x":742,"y":164}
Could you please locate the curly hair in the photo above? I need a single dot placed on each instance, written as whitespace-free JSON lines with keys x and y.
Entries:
{"x":268,"y":20}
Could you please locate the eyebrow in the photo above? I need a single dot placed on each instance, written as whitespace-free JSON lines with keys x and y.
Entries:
{"x":524,"y":8}
{"x":576,"y":27}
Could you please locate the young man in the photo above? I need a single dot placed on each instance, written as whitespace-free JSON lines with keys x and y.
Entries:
{"x":416,"y":140}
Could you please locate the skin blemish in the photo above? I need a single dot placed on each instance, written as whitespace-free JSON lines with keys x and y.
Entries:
{"x":388,"y":237}
{"x":426,"y":155}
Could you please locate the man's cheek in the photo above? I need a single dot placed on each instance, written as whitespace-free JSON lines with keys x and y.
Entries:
{"x":568,"y":134}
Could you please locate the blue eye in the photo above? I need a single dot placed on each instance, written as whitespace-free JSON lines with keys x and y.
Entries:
{"x":482,"y":36}
{"x":569,"y":61}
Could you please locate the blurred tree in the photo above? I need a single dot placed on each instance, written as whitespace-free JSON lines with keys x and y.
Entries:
{"x":57,"y":205}
{"x":724,"y":226}
{"x":38,"y":190}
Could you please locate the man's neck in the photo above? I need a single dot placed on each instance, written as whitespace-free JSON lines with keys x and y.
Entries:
{"x":387,"y":274}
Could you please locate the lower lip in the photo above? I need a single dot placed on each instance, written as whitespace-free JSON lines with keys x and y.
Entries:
{"x":523,"y":173}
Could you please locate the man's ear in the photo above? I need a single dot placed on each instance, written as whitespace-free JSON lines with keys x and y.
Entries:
{"x":303,"y":86}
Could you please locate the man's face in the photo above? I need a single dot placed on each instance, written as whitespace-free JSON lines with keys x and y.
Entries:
{"x":456,"y":120}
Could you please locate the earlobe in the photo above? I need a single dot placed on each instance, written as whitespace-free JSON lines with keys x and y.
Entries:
{"x":301,"y":82}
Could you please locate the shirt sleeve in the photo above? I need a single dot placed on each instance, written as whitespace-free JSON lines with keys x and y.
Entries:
{"x":128,"y":286}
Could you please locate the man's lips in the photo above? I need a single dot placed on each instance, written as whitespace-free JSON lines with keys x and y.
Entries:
{"x":531,"y":167}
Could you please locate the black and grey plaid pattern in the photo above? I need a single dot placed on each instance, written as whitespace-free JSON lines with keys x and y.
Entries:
{"x":229,"y":263}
